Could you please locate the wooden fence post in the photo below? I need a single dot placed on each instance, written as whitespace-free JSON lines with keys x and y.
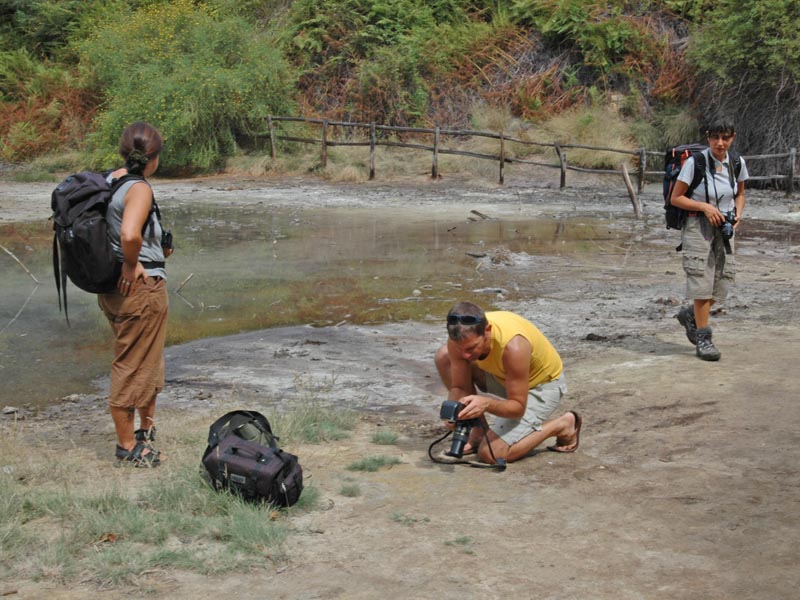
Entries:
{"x":271,"y":127}
{"x":562,"y":157}
{"x":372,"y":151}
{"x":502,"y":157}
{"x":790,"y":176}
{"x":324,"y":157}
{"x":435,"y":166}
{"x":642,"y":167}
{"x":634,"y":200}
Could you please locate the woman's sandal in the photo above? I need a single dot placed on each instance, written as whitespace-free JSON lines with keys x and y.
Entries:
{"x":136,"y":456}
{"x":145,"y":435}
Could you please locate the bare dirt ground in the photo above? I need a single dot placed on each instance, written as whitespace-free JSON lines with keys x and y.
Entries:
{"x":686,"y":481}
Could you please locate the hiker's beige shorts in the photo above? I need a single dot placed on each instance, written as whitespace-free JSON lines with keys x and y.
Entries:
{"x":139,"y":322}
{"x":543,"y":400}
{"x":709,"y":271}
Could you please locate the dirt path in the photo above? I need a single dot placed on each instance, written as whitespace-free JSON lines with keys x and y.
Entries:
{"x":685,"y":484}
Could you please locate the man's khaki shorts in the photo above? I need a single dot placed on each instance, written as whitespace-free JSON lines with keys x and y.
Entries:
{"x":543,"y":400}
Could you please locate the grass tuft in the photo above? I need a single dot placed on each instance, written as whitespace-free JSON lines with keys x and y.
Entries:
{"x":384,"y":438}
{"x":350,"y":490}
{"x":312,"y":421}
{"x":408,"y":520}
{"x":373,"y":463}
{"x":464,"y":542}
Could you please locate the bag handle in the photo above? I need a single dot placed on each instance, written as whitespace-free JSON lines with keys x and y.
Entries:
{"x":252,"y":452}
{"x":216,"y":427}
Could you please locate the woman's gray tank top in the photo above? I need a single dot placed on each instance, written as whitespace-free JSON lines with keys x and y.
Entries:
{"x":151,"y":238}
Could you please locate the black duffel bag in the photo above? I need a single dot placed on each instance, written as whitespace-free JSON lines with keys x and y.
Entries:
{"x":243,"y":456}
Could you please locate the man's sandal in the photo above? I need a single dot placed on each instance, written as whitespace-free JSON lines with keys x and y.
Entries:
{"x":136,"y":456}
{"x":559,"y":448}
{"x":469,"y":449}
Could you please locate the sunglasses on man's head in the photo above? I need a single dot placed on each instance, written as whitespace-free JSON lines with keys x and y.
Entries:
{"x":463,"y":319}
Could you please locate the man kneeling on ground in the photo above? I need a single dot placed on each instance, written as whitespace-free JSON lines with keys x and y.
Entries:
{"x":501,"y":364}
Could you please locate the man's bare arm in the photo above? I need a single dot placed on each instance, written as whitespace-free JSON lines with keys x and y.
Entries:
{"x":460,"y":374}
{"x":516,"y":359}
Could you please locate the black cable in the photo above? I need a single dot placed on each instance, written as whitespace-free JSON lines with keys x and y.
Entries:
{"x":499,"y":463}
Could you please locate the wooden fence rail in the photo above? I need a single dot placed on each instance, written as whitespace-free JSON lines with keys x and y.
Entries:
{"x":436,"y":149}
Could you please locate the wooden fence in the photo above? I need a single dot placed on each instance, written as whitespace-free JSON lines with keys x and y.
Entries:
{"x":371,"y":130}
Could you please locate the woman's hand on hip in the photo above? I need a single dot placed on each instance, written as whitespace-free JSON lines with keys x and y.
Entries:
{"x":130,"y":278}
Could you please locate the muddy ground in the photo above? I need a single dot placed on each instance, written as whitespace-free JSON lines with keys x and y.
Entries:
{"x":686,"y":481}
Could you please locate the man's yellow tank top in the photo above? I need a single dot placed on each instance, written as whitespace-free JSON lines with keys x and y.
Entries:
{"x":546,"y":364}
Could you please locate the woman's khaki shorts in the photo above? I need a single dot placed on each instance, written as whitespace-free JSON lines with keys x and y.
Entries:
{"x":139,"y":322}
{"x":709,"y":271}
{"x":543,"y":400}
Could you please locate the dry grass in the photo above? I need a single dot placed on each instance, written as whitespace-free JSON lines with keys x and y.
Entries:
{"x":68,"y":514}
{"x":599,"y":127}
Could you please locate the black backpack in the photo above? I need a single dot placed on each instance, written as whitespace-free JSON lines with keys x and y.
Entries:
{"x":243,"y":456}
{"x":81,"y":248}
{"x":673,"y":161}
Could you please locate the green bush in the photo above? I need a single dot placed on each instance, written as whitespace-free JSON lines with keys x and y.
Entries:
{"x":390,"y":86}
{"x":760,"y":37}
{"x":748,"y":57}
{"x":365,"y":60}
{"x":44,"y":28}
{"x":42,"y":105}
{"x":604,"y":34}
{"x":203,"y":78}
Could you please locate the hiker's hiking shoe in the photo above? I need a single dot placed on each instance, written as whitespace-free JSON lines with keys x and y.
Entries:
{"x":706,"y":349}
{"x":685,"y":317}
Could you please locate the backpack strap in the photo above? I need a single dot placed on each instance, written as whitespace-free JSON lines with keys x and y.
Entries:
{"x":700,"y":169}
{"x":118,"y":183}
{"x":153,"y":212}
{"x":61,"y":277}
{"x":734,"y":169}
{"x":737,"y":163}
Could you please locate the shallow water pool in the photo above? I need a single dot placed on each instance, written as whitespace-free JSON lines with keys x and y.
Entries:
{"x":249,"y":267}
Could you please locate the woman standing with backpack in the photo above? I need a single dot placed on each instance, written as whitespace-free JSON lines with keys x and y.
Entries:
{"x":137,"y":309}
{"x":714,"y":213}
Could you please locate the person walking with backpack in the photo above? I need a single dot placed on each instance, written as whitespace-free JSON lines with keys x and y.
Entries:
{"x":137,"y":309}
{"x":714,"y":212}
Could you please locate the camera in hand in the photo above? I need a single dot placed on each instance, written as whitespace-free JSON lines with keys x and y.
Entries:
{"x":727,"y":225}
{"x":449,"y":412}
{"x":166,"y":239}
